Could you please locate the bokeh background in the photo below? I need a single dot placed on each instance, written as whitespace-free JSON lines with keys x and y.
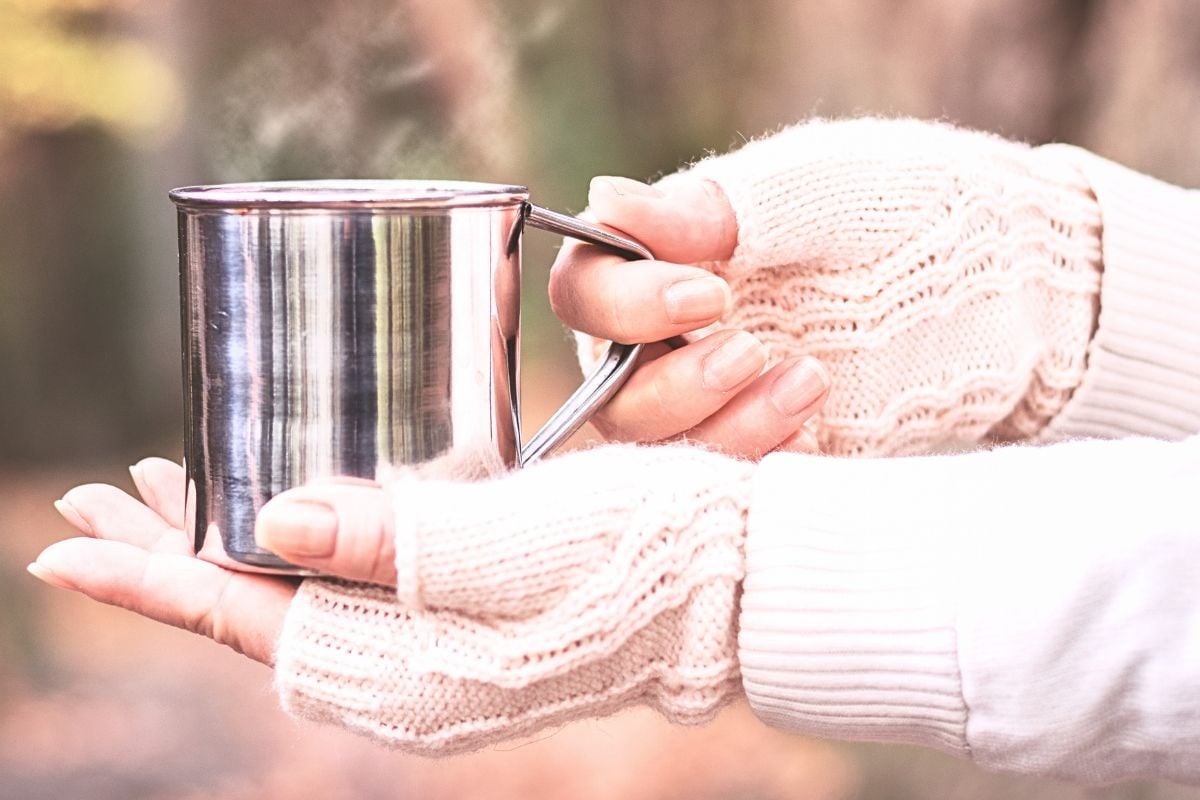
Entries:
{"x":105,"y":104}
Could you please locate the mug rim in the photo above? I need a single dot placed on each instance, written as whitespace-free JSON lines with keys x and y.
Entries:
{"x":351,"y":193}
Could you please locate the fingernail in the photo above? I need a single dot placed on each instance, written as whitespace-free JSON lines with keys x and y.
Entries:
{"x":46,"y":576}
{"x":72,"y":516}
{"x":696,"y":299}
{"x":623,"y":186}
{"x":297,"y":527}
{"x":803,"y":441}
{"x":798,"y":386}
{"x":809,"y":439}
{"x":139,"y":481}
{"x":739,"y":358}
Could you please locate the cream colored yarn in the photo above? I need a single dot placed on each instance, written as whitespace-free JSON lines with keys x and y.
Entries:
{"x":948,"y":279}
{"x":574,"y":588}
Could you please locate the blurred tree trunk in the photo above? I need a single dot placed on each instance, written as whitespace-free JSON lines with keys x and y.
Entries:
{"x":1143,"y":68}
{"x":81,"y":281}
{"x":69,"y":336}
{"x":1098,"y":73}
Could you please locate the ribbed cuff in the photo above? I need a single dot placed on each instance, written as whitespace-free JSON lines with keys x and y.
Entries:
{"x":847,"y":618}
{"x":1143,"y":374}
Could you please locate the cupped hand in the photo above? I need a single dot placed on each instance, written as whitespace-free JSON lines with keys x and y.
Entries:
{"x":136,"y":555}
{"x":712,"y":390}
{"x":572,"y":588}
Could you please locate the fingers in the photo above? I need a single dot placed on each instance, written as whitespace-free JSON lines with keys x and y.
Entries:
{"x":802,"y":441}
{"x":344,"y":529}
{"x":633,"y":301}
{"x":683,"y":221}
{"x":162,"y":486}
{"x":346,"y":480}
{"x":245,"y":612}
{"x":105,"y":512}
{"x":680,"y":389}
{"x":711,"y":392}
{"x":768,"y":413}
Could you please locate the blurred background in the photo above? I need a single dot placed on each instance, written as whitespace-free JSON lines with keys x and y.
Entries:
{"x":105,"y":104}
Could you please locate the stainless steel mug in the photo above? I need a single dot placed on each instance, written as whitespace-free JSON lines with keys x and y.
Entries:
{"x":333,"y":326}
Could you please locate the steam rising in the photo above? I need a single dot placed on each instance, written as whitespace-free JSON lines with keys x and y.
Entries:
{"x":417,"y":88}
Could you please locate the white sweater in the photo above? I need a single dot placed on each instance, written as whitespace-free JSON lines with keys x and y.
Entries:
{"x":1033,"y":609}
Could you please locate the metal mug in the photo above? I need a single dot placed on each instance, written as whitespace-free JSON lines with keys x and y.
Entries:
{"x":330,"y":327}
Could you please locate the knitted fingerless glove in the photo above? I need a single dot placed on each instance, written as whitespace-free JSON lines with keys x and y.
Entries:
{"x":573,"y":588}
{"x":948,"y":279}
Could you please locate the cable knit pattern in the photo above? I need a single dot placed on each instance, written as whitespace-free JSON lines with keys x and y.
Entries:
{"x":573,"y":588}
{"x":1143,"y":373}
{"x":948,"y":279}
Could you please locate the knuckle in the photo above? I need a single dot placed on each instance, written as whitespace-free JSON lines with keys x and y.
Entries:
{"x":650,"y":409}
{"x":222,"y":618}
{"x":609,"y":425}
{"x":563,"y":286}
{"x":617,"y":303}
{"x":725,"y":229}
{"x":381,"y":541}
{"x":213,"y":618}
{"x":665,"y":399}
{"x":558,"y":289}
{"x":662,"y":402}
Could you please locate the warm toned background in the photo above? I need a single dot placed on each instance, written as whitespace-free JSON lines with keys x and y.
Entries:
{"x":105,"y":104}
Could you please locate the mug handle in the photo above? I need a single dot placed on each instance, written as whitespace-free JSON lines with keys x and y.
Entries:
{"x":618,"y":362}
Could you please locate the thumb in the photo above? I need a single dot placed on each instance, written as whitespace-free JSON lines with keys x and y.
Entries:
{"x":343,"y":529}
{"x":683,"y":219}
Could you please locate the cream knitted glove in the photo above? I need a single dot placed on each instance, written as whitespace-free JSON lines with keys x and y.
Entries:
{"x":948,"y":279}
{"x":587,"y":583}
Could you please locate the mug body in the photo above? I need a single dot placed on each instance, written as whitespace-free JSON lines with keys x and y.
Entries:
{"x":330,"y":328}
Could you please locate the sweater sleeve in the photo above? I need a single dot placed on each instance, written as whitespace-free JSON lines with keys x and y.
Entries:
{"x":1033,"y":609}
{"x":1143,"y":373}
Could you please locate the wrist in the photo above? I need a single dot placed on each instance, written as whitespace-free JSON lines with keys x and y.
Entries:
{"x":590,"y":582}
{"x":847,"y":616}
{"x":1143,"y":361}
{"x":515,"y":547}
{"x":1058,"y":226}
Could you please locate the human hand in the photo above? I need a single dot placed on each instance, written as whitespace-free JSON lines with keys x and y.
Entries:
{"x":573,"y":588}
{"x":136,"y":555}
{"x":717,"y":389}
{"x":946,"y":279}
